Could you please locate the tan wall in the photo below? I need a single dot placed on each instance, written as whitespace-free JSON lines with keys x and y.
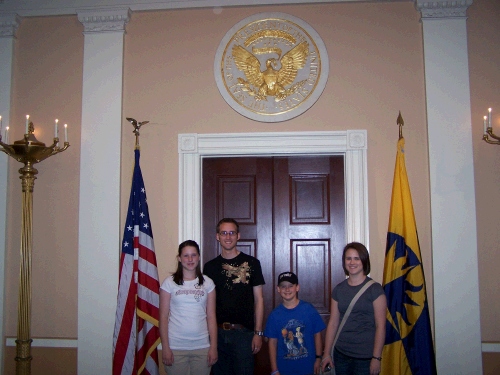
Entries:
{"x":483,"y":25}
{"x":369,"y":82}
{"x":376,"y":69}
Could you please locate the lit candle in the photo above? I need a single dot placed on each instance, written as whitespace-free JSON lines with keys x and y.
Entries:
{"x":6,"y":134}
{"x":65,"y":132}
{"x":56,"y":131}
{"x":489,"y":117}
{"x":484,"y":123}
{"x":27,"y":123}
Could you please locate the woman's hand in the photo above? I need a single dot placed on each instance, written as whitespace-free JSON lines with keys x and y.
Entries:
{"x":374,"y":367}
{"x":212,"y":356}
{"x":325,"y":361}
{"x":167,"y":356}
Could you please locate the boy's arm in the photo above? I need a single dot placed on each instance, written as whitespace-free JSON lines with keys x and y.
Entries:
{"x":273,"y":348}
{"x":318,"y":345}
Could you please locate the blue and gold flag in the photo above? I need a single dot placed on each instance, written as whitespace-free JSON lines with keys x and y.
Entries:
{"x":408,"y":346}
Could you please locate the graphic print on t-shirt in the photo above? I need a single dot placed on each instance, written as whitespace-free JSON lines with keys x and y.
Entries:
{"x":239,"y":274}
{"x":293,"y":337}
{"x":198,"y":292}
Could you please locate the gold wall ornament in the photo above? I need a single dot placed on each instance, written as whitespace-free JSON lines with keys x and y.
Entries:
{"x":28,"y":151}
{"x":271,"y":67}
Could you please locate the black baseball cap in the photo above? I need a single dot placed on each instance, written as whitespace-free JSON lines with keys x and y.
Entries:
{"x":288,"y":276}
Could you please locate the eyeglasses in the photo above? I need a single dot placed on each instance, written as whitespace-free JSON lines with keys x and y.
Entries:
{"x":225,"y":233}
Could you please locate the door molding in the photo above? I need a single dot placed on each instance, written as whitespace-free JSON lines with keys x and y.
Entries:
{"x":193,"y":147}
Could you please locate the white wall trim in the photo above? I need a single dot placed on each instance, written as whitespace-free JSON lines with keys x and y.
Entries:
{"x":352,"y":143}
{"x":46,"y":343}
{"x":29,"y":8}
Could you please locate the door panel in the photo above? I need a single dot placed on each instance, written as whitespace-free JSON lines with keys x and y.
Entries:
{"x":310,"y":224}
{"x":291,"y":212}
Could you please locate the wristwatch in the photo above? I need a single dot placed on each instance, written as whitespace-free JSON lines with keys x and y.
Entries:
{"x":259,"y":333}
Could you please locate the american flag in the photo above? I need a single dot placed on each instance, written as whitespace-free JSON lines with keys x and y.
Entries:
{"x":136,"y":334}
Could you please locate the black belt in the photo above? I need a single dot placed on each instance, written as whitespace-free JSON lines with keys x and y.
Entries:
{"x":229,"y":326}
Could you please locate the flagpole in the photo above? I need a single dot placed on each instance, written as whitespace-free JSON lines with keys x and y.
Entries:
{"x":408,"y":345}
{"x":137,"y":126}
{"x":137,"y":335}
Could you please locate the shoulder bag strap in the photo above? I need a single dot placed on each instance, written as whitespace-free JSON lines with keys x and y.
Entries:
{"x":349,"y":309}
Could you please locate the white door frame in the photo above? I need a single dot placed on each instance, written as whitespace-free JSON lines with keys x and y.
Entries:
{"x":351,"y":143}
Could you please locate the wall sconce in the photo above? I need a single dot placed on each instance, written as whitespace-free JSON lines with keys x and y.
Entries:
{"x":488,"y":135}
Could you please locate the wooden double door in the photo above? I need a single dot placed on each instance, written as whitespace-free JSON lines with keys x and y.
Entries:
{"x":291,"y":212}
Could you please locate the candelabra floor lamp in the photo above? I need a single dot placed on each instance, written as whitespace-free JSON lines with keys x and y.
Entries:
{"x":28,"y":151}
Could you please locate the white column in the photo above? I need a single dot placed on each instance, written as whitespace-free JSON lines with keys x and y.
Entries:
{"x":453,"y":209}
{"x":8,"y":27}
{"x":99,"y":219}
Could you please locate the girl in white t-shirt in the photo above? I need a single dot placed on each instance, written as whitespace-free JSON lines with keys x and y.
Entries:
{"x":188,"y":327}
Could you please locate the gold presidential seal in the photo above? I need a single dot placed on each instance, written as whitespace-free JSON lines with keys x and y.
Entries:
{"x":271,"y":67}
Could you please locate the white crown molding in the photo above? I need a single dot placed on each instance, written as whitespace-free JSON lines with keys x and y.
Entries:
{"x":438,"y":9}
{"x":104,"y":20}
{"x":28,"y":8}
{"x":9,"y":22}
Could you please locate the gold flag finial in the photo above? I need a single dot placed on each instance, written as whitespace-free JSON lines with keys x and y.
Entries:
{"x":137,"y":126}
{"x":400,"y":122}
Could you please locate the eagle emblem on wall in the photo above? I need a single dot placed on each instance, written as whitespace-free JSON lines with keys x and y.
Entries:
{"x":277,"y":75}
{"x":271,"y":67}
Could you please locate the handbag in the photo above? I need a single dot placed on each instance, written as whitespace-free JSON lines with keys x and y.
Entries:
{"x":346,"y":315}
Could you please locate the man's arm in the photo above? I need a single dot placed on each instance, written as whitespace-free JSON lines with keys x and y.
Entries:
{"x":258,"y":307}
{"x":212,"y":328}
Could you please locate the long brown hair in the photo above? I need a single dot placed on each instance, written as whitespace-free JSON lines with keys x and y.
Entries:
{"x":363,"y":256}
{"x":178,"y":275}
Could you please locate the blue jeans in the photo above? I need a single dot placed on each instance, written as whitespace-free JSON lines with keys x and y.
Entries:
{"x":235,"y":352}
{"x":345,"y":365}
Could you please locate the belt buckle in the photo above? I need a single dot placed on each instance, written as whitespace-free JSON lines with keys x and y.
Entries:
{"x":226,"y":326}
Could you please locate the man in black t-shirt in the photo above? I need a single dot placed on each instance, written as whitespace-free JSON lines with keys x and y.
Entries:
{"x":239,"y":303}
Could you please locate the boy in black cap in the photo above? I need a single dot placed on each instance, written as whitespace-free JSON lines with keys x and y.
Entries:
{"x":294,"y":332}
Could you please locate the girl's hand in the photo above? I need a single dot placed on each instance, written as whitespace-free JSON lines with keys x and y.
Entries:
{"x":212,"y":356}
{"x":167,"y":356}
